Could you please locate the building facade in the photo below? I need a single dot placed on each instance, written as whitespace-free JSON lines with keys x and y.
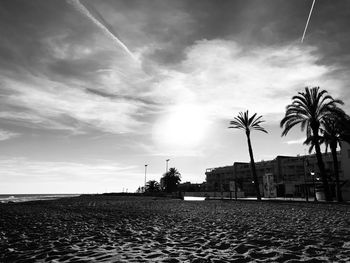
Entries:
{"x":284,"y":176}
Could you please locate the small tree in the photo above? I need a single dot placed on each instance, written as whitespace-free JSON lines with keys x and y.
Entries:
{"x":246,"y":123}
{"x":171,"y":180}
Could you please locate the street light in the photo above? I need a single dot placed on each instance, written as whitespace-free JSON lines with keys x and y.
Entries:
{"x":145,"y":176}
{"x":305,"y":185}
{"x":235,"y":176}
{"x":166,"y":166}
{"x":313,"y":179}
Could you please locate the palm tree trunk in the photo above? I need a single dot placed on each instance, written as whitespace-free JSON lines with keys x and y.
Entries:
{"x":252,"y":165}
{"x":336,"y":171}
{"x":321,"y":167}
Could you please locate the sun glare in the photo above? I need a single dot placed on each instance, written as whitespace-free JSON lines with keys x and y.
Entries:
{"x":184,"y":127}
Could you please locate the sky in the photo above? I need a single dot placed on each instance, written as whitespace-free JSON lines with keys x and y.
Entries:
{"x":91,"y":91}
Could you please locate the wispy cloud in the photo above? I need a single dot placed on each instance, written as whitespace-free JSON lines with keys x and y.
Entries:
{"x":296,"y":141}
{"x":6,"y":135}
{"x":62,"y":107}
{"x":33,"y":120}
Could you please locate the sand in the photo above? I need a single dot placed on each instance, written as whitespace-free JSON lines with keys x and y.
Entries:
{"x":134,"y":229}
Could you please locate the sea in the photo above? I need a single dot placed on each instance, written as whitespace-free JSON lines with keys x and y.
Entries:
{"x":15,"y":198}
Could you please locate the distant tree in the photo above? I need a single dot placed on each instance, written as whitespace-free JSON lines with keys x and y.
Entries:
{"x":310,"y":109}
{"x":171,"y":180}
{"x":140,"y":189}
{"x":248,"y":124}
{"x":152,"y":186}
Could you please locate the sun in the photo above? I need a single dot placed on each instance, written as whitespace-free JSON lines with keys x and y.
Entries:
{"x":185,"y":126}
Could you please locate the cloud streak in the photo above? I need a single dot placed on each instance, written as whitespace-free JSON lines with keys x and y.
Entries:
{"x":308,"y":20}
{"x":101,"y":24}
{"x":296,"y":141}
{"x":6,"y":135}
{"x":55,"y":105}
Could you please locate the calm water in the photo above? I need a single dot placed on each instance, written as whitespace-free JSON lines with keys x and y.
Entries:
{"x":31,"y":197}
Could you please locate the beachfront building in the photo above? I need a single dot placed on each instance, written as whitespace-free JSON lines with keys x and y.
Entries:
{"x":284,"y":176}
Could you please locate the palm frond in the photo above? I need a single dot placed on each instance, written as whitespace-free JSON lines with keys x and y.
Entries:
{"x":244,"y":122}
{"x":309,"y":108}
{"x":289,"y":124}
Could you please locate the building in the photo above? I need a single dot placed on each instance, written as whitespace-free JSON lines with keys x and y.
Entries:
{"x":283,"y":176}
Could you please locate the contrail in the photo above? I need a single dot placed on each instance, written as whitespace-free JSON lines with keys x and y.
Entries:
{"x":101,"y":19}
{"x":101,"y":24}
{"x":308,"y":19}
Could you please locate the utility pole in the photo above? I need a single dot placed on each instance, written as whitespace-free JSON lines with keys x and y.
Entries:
{"x":235,"y":176}
{"x":313,"y":179}
{"x":305,"y":185}
{"x":145,"y":176}
{"x":166,"y":165}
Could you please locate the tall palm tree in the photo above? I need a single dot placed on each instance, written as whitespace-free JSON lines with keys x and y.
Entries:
{"x":310,"y":109}
{"x":246,"y":123}
{"x":171,"y":180}
{"x":331,"y":136}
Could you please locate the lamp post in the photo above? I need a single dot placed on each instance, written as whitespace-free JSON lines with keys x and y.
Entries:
{"x":235,"y":176}
{"x":305,"y":185}
{"x":166,"y":165}
{"x":313,"y":179}
{"x":145,"y":176}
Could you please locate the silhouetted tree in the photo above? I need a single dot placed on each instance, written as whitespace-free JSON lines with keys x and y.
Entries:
{"x":140,"y":189}
{"x":310,"y":109}
{"x":171,"y":180}
{"x":246,"y":123}
{"x":152,"y":186}
{"x":334,"y":130}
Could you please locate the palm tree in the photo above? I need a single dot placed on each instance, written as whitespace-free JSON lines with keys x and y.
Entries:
{"x":152,"y":186}
{"x":310,"y":109}
{"x":246,"y":123}
{"x":331,"y":137}
{"x":171,"y":180}
{"x":333,"y":131}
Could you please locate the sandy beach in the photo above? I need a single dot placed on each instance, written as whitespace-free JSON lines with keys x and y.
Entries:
{"x":134,"y":229}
